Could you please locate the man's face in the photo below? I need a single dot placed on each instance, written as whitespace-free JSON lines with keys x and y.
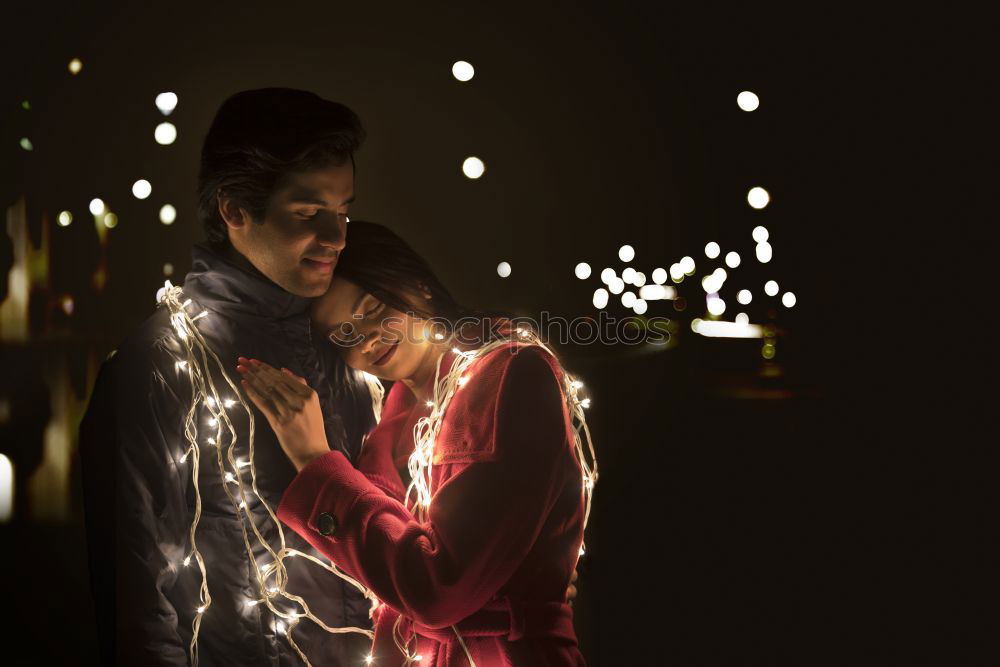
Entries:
{"x":303,"y":230}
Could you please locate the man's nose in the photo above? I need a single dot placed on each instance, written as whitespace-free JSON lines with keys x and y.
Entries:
{"x":333,"y":234}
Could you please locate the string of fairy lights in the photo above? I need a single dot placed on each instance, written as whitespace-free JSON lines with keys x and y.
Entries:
{"x":202,"y":366}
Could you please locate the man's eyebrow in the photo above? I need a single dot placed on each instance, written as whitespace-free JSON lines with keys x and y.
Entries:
{"x":310,"y":198}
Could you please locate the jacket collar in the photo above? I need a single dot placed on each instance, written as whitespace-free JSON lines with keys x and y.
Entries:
{"x":235,"y":286}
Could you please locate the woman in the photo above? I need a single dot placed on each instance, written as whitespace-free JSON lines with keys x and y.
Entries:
{"x":466,"y":512}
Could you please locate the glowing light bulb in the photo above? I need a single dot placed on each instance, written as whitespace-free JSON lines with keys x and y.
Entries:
{"x":687,"y":265}
{"x":628,"y":275}
{"x":607,"y":275}
{"x":280,"y":627}
{"x":576,"y":384}
{"x":676,"y":272}
{"x":184,"y":458}
{"x":230,"y":477}
{"x":585,"y":403}
{"x":582,"y":550}
{"x":640,"y":306}
{"x":503,"y":269}
{"x":187,"y":561}
{"x":770,"y":288}
{"x":617,"y":286}
{"x":760,"y":233}
{"x":240,"y":463}
{"x":626,"y":253}
{"x":201,"y":610}
{"x":659,"y":276}
{"x":213,"y":421}
{"x":462,"y":380}
{"x":628,"y":299}
{"x":168,"y":214}
{"x":473,"y":167}
{"x":369,"y":659}
{"x":229,"y":403}
{"x":165,"y":134}
{"x":600,"y":298}
{"x":732,"y":259}
{"x":582,"y":270}
{"x":788,"y":300}
{"x":210,"y":402}
{"x":75,"y":66}
{"x":141,"y":188}
{"x":96,"y":207}
{"x":744,"y":296}
{"x":748,"y":101}
{"x":253,"y":603}
{"x":429,"y":404}
{"x":65,"y":218}
{"x":211,"y":441}
{"x":764,"y":252}
{"x":639,"y":279}
{"x":758,"y":198}
{"x":712,"y":250}
{"x":463,"y":71}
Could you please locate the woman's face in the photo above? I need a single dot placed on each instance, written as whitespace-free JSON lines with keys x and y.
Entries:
{"x":370,"y":335}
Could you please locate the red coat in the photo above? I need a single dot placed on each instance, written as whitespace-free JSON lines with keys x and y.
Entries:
{"x":505,"y":523}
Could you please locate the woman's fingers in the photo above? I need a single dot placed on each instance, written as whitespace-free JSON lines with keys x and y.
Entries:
{"x":262,"y":402}
{"x":294,"y":392}
{"x":270,"y":400}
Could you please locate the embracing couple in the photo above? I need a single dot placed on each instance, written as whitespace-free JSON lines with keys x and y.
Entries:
{"x":444,"y":519}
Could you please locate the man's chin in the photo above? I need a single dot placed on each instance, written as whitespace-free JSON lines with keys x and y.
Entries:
{"x":308,"y":286}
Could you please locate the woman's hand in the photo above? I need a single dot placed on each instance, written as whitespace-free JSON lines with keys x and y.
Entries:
{"x":291,"y":407}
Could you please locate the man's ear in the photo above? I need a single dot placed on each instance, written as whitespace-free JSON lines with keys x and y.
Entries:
{"x":234,"y":216}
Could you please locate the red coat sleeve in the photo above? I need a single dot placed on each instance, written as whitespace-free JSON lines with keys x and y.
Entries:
{"x":483,"y":521}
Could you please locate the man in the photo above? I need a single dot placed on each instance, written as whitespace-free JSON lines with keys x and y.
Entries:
{"x":275,"y":184}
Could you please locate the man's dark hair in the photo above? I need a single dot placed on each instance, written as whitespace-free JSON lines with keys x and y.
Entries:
{"x":257,"y":137}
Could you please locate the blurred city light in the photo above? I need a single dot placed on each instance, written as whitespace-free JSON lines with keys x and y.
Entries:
{"x":166,"y":103}
{"x":716,"y":306}
{"x":628,"y":275}
{"x":600,"y":297}
{"x":142,"y":188}
{"x":732,"y":259}
{"x":110,"y":220}
{"x":712,"y":250}
{"x":616,"y":286}
{"x":463,"y":71}
{"x":744,"y":296}
{"x":723,"y":329}
{"x":96,"y":207}
{"x":687,"y":265}
{"x":758,"y":197}
{"x":747,"y":101}
{"x":473,"y":167}
{"x":75,"y":66}
{"x":26,"y":144}
{"x":582,"y":270}
{"x":770,"y":288}
{"x":6,"y":489}
{"x":788,"y":299}
{"x":65,"y":218}
{"x":503,"y":269}
{"x":764,"y":252}
{"x":760,"y":234}
{"x":659,"y":276}
{"x":628,"y":299}
{"x":165,"y":134}
{"x":168,"y":214}
{"x":607,"y":275}
{"x":640,"y":306}
{"x":626,"y":253}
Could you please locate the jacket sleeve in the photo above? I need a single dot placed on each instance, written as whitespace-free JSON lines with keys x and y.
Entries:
{"x":482,"y":523}
{"x":135,"y":507}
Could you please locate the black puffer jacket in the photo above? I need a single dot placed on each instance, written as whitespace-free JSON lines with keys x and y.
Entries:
{"x":139,"y":496}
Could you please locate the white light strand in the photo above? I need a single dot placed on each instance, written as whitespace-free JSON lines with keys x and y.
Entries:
{"x":206,"y":394}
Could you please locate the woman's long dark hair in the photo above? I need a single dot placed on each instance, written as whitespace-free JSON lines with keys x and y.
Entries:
{"x":377,"y":260}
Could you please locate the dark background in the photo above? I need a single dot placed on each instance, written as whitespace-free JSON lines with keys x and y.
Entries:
{"x":749,"y":512}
